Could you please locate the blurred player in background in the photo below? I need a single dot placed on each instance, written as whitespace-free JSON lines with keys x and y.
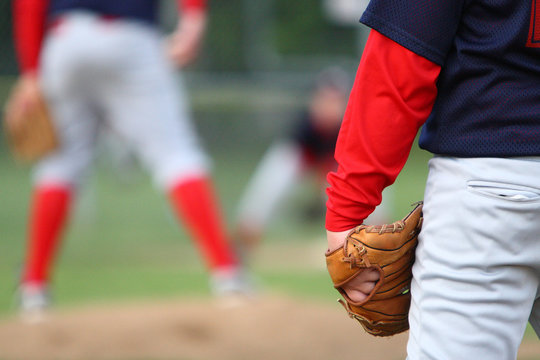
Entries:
{"x":108,"y":58}
{"x":307,"y":150}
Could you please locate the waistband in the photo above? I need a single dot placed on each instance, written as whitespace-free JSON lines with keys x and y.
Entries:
{"x":58,"y":20}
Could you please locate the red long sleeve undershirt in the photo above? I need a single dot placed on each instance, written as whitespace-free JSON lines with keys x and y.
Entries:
{"x":186,"y":5}
{"x":392,"y":96}
{"x":29,"y":28}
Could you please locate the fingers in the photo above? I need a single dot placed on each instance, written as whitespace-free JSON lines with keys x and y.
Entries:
{"x":361,"y":286}
{"x":359,"y":295}
{"x":369,"y":274}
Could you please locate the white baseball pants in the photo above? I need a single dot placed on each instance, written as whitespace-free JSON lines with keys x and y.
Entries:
{"x":115,"y":72}
{"x":278,"y":171}
{"x":477,"y":270}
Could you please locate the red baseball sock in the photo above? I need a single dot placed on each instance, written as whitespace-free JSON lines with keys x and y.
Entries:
{"x":50,"y":206}
{"x":196,"y":204}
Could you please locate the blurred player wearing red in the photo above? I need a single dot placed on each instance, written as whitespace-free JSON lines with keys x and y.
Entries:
{"x":100,"y":59}
{"x":307,"y":150}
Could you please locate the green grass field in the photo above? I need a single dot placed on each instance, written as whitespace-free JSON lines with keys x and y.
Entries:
{"x":122,"y":241}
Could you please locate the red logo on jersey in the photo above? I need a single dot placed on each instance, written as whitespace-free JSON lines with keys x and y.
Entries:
{"x":533,"y":40}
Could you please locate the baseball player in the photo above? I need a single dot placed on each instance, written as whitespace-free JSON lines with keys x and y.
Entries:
{"x":107,"y":57}
{"x":469,"y":71}
{"x":308,"y":148}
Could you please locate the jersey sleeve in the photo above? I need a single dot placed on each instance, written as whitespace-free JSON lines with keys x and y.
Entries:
{"x":197,"y":5}
{"x":392,"y":96}
{"x":28,"y":29}
{"x":425,"y":27}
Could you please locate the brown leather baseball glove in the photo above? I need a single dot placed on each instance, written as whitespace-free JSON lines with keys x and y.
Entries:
{"x":27,"y":122}
{"x":390,"y":249}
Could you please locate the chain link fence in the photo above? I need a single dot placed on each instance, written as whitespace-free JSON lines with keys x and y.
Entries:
{"x":247,"y":36}
{"x":258,"y":62}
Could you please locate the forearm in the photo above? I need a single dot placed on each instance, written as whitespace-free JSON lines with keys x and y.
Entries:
{"x":192,"y":25}
{"x":28,"y":28}
{"x":193,"y":15}
{"x":185,"y":42}
{"x":392,"y":97}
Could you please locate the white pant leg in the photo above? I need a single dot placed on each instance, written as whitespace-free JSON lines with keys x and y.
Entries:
{"x":146,"y":105}
{"x":277,"y":172}
{"x":534,"y":319}
{"x":67,"y":89}
{"x":77,"y":131}
{"x":476,"y":273}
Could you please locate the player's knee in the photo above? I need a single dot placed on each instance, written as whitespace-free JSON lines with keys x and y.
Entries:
{"x":69,"y":176}
{"x":175,"y":171}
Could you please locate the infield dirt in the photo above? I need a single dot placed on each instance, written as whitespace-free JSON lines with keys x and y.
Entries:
{"x":270,"y":328}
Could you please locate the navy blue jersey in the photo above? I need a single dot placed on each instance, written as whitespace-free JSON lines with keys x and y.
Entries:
{"x":316,"y":143}
{"x":143,"y":10}
{"x":488,"y":101}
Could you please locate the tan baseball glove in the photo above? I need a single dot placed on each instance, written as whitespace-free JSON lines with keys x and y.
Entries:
{"x":27,"y":122}
{"x":389,"y":249}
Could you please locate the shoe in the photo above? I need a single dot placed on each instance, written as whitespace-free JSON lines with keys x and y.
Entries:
{"x":34,"y":301}
{"x":232,"y":286}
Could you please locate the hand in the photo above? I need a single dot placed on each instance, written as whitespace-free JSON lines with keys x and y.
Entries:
{"x":185,"y":42}
{"x":24,"y":96}
{"x":248,"y":235}
{"x":361,"y":286}
{"x":336,"y":239}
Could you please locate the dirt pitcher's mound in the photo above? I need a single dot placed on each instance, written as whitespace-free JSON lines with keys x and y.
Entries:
{"x":270,"y":328}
